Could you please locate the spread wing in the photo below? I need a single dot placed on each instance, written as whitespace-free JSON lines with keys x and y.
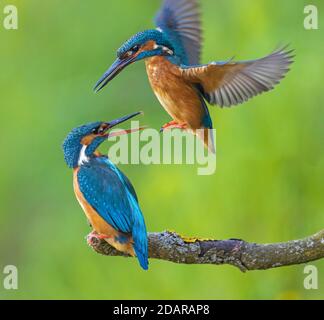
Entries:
{"x":231,"y":83}
{"x":180,"y":19}
{"x":103,"y":187}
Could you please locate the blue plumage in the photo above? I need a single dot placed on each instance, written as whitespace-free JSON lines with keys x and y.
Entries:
{"x":142,"y":38}
{"x":180,"y":22}
{"x":183,"y":85}
{"x":178,"y":29}
{"x":177,"y":38}
{"x":104,"y":192}
{"x":72,"y":143}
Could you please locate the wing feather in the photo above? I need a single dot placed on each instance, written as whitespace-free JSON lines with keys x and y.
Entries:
{"x":106,"y":191}
{"x":181,"y":21}
{"x":231,"y":83}
{"x":111,"y":194}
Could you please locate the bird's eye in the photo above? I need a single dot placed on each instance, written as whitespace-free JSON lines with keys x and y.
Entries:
{"x":96,"y":130}
{"x":128,"y":53}
{"x":135,"y":48}
{"x":101,"y":129}
{"x":132,"y":51}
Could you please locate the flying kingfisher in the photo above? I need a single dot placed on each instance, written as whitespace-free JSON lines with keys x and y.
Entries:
{"x":181,"y":83}
{"x":106,"y":195}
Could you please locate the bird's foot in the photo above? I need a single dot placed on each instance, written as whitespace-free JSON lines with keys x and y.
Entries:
{"x":103,"y":236}
{"x":168,"y":125}
{"x":94,"y":236}
{"x":174,"y":125}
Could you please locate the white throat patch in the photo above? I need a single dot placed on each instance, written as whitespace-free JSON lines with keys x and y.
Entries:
{"x":83,"y":157}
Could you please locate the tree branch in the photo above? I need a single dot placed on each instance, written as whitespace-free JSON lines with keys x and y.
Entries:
{"x":239,"y":253}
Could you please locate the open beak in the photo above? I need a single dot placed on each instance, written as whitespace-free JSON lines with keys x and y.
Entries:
{"x":113,"y":71}
{"x":116,"y":122}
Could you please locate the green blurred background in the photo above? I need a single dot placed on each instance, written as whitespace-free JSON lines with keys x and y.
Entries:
{"x":270,"y":163}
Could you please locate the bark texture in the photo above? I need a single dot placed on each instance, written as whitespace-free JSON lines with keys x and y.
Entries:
{"x":245,"y":255}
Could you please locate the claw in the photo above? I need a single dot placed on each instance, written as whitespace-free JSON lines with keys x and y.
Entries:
{"x":103,"y":236}
{"x":93,"y":236}
{"x":90,"y":238}
{"x":174,"y":125}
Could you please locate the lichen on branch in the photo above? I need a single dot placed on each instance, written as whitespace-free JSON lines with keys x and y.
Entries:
{"x":246,"y":256}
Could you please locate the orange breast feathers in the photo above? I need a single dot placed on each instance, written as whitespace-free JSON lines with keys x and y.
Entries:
{"x":178,"y":96}
{"x":98,"y":223}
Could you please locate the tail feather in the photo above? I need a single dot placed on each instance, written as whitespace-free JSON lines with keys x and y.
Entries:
{"x":207,"y":136}
{"x":142,"y":258}
{"x":139,"y":234}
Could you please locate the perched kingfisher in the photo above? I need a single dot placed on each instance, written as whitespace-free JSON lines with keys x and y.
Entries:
{"x":181,"y":83}
{"x":105,"y":194}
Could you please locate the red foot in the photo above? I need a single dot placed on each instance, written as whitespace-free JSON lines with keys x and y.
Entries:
{"x":103,"y":236}
{"x":94,"y":235}
{"x":174,"y":125}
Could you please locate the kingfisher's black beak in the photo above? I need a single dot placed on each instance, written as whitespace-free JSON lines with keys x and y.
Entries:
{"x":113,"y":71}
{"x":116,"y":122}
